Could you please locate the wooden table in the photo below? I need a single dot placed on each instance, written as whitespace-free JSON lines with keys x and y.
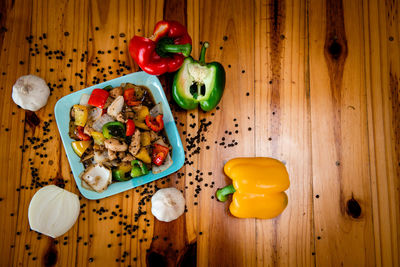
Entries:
{"x":314,"y":83}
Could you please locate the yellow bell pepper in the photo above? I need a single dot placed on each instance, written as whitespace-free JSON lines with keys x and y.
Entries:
{"x":143,"y":155}
{"x":80,"y":115}
{"x":80,"y":147}
{"x":145,"y":139}
{"x":142,"y":113}
{"x":98,"y":138}
{"x":258,"y":187}
{"x":141,"y":125}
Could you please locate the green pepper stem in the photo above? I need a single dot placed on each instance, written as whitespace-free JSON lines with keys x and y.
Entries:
{"x":222,"y":193}
{"x":185,"y":49}
{"x":202,"y":58}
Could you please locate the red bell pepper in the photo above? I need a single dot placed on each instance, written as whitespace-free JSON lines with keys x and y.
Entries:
{"x":159,"y":154}
{"x":79,"y":132}
{"x":164,"y":51}
{"x":130,"y":127}
{"x":156,"y":124}
{"x":98,"y":98}
{"x":129,"y":97}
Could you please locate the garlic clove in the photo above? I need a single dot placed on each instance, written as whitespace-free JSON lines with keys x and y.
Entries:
{"x":167,"y":204}
{"x":30,"y":92}
{"x":53,"y":211}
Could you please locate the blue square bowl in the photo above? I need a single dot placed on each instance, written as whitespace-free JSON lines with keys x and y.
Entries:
{"x":62,"y":111}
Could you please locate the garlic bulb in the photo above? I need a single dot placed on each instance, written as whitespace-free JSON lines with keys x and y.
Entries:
{"x":167,"y":204}
{"x":30,"y":92}
{"x":53,"y":211}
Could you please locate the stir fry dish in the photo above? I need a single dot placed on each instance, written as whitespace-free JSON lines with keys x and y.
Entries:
{"x":119,"y":135}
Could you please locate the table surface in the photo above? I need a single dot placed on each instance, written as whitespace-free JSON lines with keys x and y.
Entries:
{"x":314,"y":83}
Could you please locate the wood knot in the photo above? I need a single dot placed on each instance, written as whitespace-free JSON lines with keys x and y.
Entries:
{"x":32,"y":119}
{"x":353,"y":208}
{"x":154,"y":259}
{"x":51,"y":255}
{"x":335,"y":49}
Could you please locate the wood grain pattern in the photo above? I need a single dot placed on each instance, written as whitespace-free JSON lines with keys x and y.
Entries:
{"x":312,"y":83}
{"x":282,"y":128}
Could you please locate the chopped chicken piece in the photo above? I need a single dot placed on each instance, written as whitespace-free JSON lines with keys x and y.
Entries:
{"x":128,"y":157}
{"x":115,"y":145}
{"x":135,"y":143}
{"x":108,"y":102}
{"x":120,"y":155}
{"x":112,"y":155}
{"x":120,"y":118}
{"x":153,"y":136}
{"x":117,"y":91}
{"x":88,"y":129}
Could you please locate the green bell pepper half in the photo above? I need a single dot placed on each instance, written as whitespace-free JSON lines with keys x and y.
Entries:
{"x":198,"y":82}
{"x":138,"y":168}
{"x":114,"y":129}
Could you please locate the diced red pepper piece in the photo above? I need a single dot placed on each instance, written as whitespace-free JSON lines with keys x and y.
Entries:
{"x":159,"y":154}
{"x":156,"y":124}
{"x":130,"y":98}
{"x":79,"y":132}
{"x":130,"y":127}
{"x":98,"y":98}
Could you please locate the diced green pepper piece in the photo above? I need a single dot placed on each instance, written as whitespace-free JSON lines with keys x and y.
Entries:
{"x":138,"y":168}
{"x":114,"y":129}
{"x":120,"y":175}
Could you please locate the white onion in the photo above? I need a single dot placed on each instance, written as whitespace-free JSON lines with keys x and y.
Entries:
{"x":98,"y":125}
{"x":84,"y":100}
{"x":97,"y":176}
{"x":116,"y":106}
{"x":167,"y":163}
{"x":167,"y":204}
{"x":53,"y":211}
{"x":95,"y":113}
{"x":156,"y":110}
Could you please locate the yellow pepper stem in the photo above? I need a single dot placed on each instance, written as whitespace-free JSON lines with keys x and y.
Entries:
{"x":222,"y":193}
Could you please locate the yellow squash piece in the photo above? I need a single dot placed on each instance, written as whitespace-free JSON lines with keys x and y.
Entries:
{"x":80,"y":147}
{"x":80,"y":115}
{"x":143,"y":155}
{"x":258,"y":185}
{"x":98,"y":138}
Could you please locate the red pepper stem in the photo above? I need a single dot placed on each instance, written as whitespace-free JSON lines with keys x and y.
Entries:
{"x":185,"y":49}
{"x":222,"y":193}
{"x":202,"y":59}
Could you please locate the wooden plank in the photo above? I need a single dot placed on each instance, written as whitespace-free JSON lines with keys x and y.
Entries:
{"x":282,"y":127}
{"x":381,"y":21}
{"x":116,"y":230}
{"x":341,"y":177}
{"x":15,"y":26}
{"x":226,"y":240}
{"x":52,"y":47}
{"x":175,"y":242}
